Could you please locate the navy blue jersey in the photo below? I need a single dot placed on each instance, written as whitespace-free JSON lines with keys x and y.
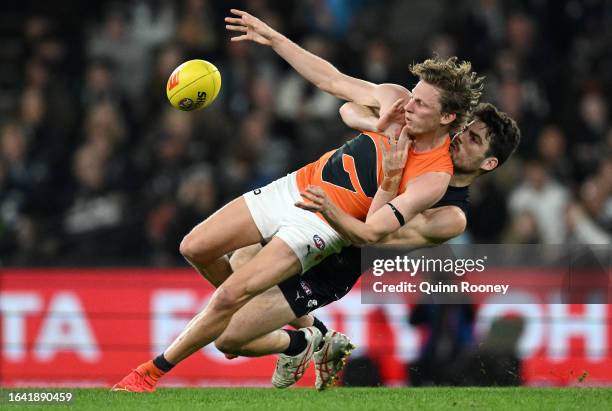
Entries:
{"x":334,"y":277}
{"x":456,"y":196}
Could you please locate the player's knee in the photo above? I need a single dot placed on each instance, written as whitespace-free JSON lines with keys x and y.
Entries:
{"x":243,"y":255}
{"x":192,"y":248}
{"x":227,"y":299}
{"x":228,"y":345}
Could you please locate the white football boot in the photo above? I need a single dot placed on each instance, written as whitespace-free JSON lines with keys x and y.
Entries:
{"x":331,"y":358}
{"x":289,"y":369}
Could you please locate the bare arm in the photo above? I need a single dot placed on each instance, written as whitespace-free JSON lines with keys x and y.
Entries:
{"x":313,"y":68}
{"x":243,"y":255}
{"x":358,"y":117}
{"x":423,"y":192}
{"x":388,"y":119}
{"x":431,"y":227}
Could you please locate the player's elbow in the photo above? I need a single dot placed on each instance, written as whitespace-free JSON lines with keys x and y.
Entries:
{"x":243,"y":255}
{"x":458,"y":223}
{"x":348,"y":114}
{"x":189,"y":247}
{"x":345,"y":113}
{"x":367,"y":238}
{"x":446,"y":225}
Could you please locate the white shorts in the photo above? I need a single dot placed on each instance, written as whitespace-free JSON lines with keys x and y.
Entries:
{"x":275,"y":214}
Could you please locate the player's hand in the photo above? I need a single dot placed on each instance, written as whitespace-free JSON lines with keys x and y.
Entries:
{"x":253,"y":28}
{"x":395,"y":157}
{"x":392,"y":120}
{"x":318,"y":201}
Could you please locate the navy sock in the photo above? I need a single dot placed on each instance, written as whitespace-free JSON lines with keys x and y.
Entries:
{"x":318,"y":324}
{"x":297,"y":342}
{"x":163,"y":364}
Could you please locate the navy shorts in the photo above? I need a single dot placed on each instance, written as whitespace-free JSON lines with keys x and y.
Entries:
{"x":328,"y":281}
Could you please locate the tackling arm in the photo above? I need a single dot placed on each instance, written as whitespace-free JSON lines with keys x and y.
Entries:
{"x":431,"y":227}
{"x":423,"y":192}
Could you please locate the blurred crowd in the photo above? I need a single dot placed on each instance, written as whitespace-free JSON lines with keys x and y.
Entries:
{"x":96,"y":168}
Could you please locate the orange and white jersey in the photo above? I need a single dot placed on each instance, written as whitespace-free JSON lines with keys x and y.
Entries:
{"x":351,"y":174}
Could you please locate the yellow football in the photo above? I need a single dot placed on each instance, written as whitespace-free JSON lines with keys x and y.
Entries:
{"x":193,"y":85}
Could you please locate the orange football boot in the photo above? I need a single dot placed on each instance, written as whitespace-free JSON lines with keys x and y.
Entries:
{"x":143,"y":379}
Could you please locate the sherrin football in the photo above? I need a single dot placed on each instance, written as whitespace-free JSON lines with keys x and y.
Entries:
{"x":193,"y":85}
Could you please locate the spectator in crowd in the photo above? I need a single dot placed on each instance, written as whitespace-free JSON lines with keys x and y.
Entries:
{"x":196,"y":29}
{"x":100,"y":87}
{"x":590,"y":129}
{"x":168,"y":223}
{"x":167,"y":57}
{"x":92,"y":91}
{"x":545,"y":198}
{"x":589,"y":217}
{"x":95,"y":224}
{"x":552,"y":152}
{"x":126,"y":37}
{"x":523,"y":229}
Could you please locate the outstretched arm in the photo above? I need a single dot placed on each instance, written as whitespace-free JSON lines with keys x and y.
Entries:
{"x":313,"y":68}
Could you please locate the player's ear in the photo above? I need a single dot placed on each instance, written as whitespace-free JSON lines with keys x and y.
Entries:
{"x":489,"y":164}
{"x":447,"y":118}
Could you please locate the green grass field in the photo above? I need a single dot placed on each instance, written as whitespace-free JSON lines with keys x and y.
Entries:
{"x":335,"y":399}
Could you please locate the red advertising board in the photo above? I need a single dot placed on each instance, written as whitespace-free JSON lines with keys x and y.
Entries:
{"x":89,"y":327}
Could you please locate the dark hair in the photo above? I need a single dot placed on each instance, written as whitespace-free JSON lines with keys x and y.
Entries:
{"x":460,"y":87}
{"x":503,"y":133}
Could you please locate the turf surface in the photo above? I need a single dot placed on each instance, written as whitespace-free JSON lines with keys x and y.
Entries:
{"x":335,"y":399}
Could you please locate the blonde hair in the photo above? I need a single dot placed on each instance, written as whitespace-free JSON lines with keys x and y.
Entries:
{"x":460,"y":87}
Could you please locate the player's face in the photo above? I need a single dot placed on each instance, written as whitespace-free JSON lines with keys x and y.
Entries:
{"x":423,"y":111}
{"x":469,"y":148}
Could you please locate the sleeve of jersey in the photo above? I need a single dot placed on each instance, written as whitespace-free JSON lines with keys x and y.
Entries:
{"x":447,"y":167}
{"x":443,"y":164}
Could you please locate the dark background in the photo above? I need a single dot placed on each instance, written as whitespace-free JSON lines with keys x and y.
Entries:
{"x":96,"y":168}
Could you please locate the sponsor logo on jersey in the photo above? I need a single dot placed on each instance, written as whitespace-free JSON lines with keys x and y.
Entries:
{"x":312,"y":303}
{"x":298,"y":296}
{"x":318,"y":242}
{"x":306,"y":288}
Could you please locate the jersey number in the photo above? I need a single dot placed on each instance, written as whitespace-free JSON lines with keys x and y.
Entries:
{"x":353,"y":166}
